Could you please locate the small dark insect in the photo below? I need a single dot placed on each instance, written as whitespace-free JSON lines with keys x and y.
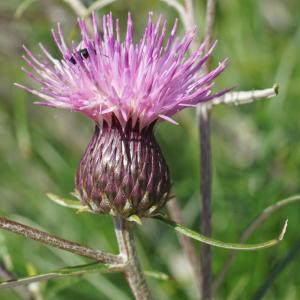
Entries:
{"x":83,"y":53}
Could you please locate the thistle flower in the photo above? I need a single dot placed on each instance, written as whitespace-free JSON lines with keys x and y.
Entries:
{"x":126,"y":88}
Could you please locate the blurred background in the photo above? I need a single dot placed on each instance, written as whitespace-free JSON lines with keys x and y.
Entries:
{"x":256,"y":156}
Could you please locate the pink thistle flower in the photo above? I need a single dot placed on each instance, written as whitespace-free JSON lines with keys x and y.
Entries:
{"x":125,"y":88}
{"x":104,"y":77}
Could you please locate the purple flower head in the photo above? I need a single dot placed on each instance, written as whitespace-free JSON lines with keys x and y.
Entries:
{"x":104,"y":77}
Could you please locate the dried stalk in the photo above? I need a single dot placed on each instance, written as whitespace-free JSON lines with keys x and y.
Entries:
{"x":186,"y":244}
{"x":255,"y":224}
{"x":203,"y":113}
{"x":133,"y":271}
{"x":239,"y":98}
{"x":46,"y":238}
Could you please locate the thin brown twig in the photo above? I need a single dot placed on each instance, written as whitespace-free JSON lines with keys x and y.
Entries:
{"x":203,"y":113}
{"x":51,"y":240}
{"x":255,"y":224}
{"x":186,"y":244}
{"x":133,"y":270}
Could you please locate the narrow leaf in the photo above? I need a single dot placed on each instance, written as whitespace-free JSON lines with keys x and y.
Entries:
{"x":157,"y":275}
{"x":136,"y":219}
{"x":68,"y":271}
{"x":210,"y":241}
{"x":70,"y":203}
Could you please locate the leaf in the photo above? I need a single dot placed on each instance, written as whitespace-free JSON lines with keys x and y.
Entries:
{"x":68,"y":271}
{"x":136,"y":219}
{"x":210,"y":241}
{"x":70,"y":203}
{"x":157,"y":275}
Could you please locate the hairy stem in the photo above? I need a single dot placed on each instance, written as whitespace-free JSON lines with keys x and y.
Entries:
{"x":51,"y":240}
{"x":133,"y":271}
{"x":186,"y":244}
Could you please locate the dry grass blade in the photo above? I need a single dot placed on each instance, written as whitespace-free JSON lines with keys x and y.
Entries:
{"x":239,"y":98}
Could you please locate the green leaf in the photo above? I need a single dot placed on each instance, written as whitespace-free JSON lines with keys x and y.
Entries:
{"x":70,"y":203}
{"x":210,"y":241}
{"x":68,"y":271}
{"x":136,"y":219}
{"x":157,"y":275}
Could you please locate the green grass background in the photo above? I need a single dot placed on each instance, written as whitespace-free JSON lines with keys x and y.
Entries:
{"x":256,"y":156}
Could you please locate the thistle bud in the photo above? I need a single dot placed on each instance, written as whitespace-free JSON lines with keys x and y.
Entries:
{"x":123,"y":171}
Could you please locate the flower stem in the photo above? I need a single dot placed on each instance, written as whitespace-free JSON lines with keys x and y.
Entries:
{"x":133,"y":271}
